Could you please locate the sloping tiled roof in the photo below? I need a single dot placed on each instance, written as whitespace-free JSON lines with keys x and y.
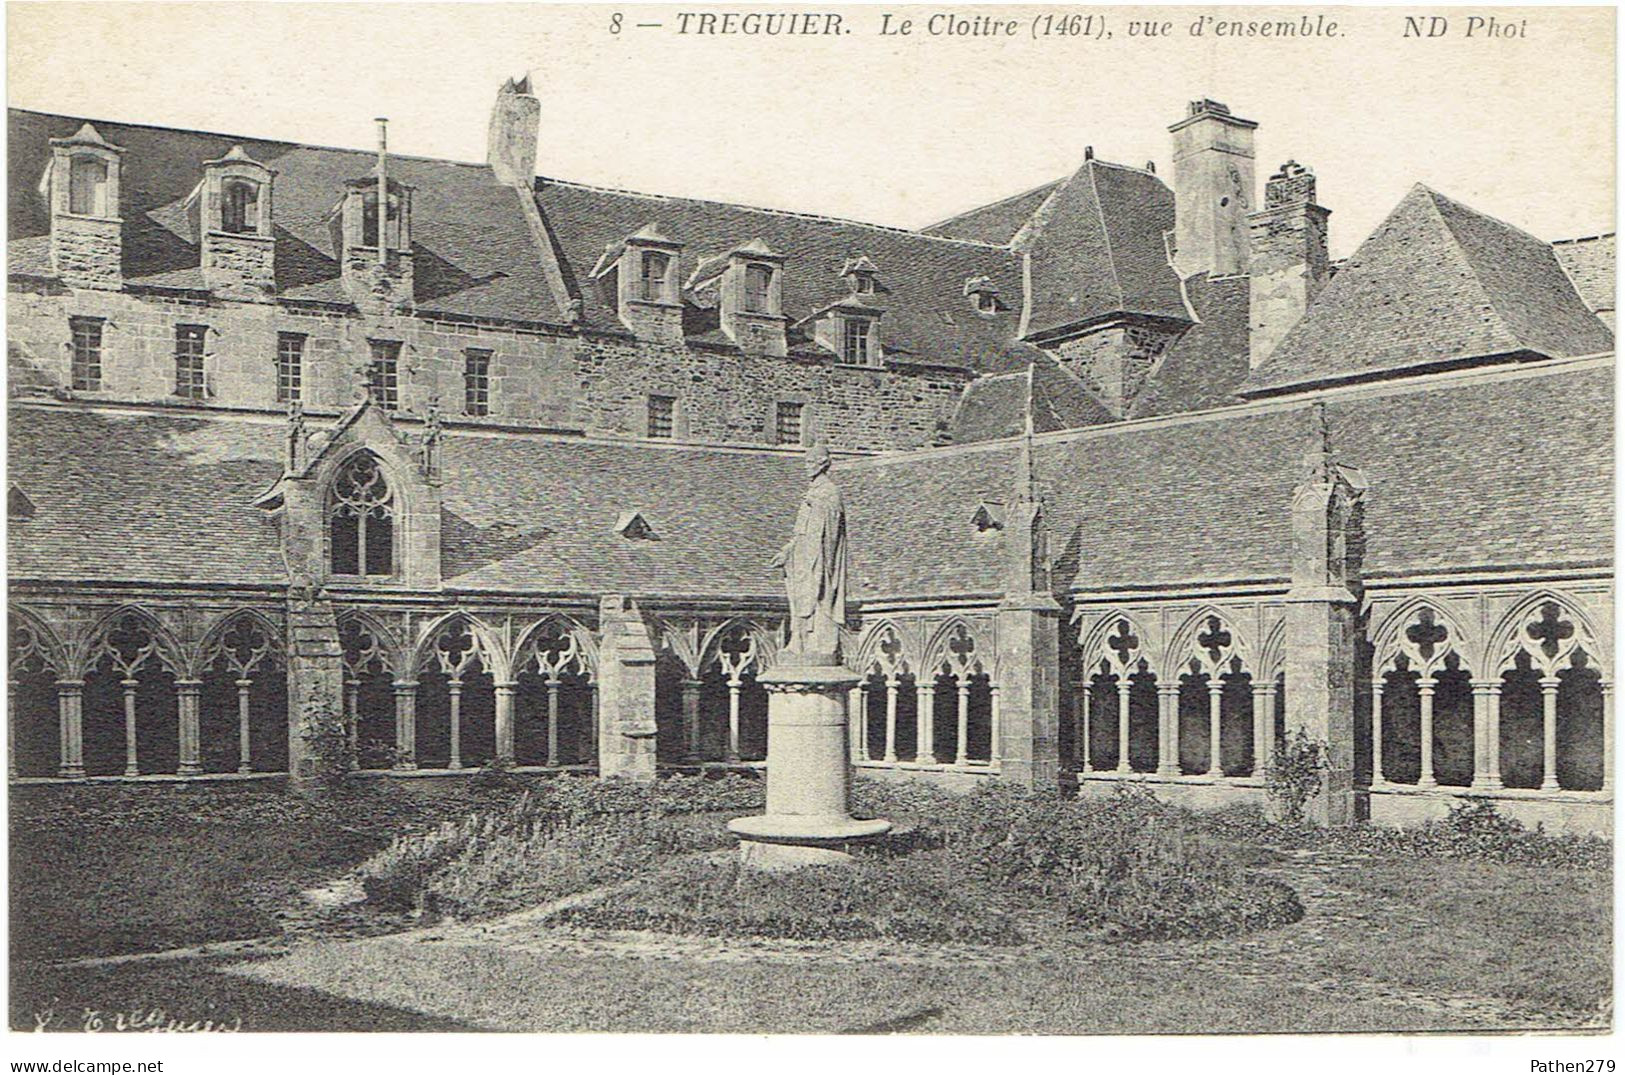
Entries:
{"x":1590,"y":264}
{"x":472,"y":251}
{"x":997,"y":222}
{"x":1209,"y":361}
{"x":1466,"y":475}
{"x":1436,"y":284}
{"x":928,"y":317}
{"x":996,"y":406}
{"x":143,"y":498}
{"x":1097,"y":249}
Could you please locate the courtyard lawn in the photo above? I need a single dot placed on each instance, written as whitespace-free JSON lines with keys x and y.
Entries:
{"x":1389,"y":941}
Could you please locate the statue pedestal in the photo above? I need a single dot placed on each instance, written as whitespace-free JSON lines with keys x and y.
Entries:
{"x":809,"y":774}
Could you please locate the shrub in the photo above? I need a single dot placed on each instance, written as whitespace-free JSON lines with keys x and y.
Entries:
{"x":1295,"y":774}
{"x":919,"y":899}
{"x":325,"y":736}
{"x":1477,"y":829}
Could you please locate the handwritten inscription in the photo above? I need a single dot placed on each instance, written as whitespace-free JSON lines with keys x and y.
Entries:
{"x":136,"y":1019}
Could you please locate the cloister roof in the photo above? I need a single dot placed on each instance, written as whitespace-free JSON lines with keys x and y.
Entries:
{"x":1509,"y":472}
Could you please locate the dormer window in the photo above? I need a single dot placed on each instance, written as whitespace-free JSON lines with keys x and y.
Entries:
{"x":240,"y":206}
{"x":855,"y":333}
{"x":984,"y":295}
{"x":369,"y":221}
{"x":87,"y":189}
{"x":758,"y":288}
{"x":862,"y":276}
{"x":656,"y":271}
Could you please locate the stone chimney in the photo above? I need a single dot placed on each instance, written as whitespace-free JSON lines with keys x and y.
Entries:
{"x":1213,"y":190}
{"x":1289,"y":263}
{"x":510,"y":146}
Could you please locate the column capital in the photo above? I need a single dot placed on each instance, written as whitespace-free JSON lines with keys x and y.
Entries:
{"x":507,"y":686}
{"x":1486,"y":686}
{"x":64,"y":686}
{"x":1167,"y":689}
{"x":405,"y":686}
{"x":691,"y":683}
{"x":244,"y":683}
{"x":129,"y":684}
{"x":188,"y":684}
{"x":1550,"y":683}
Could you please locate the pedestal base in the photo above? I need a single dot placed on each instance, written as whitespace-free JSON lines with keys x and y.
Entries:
{"x":809,"y":773}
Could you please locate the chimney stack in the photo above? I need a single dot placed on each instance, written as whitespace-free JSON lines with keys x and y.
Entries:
{"x":1290,"y":263}
{"x":1213,"y":190}
{"x":510,"y":147}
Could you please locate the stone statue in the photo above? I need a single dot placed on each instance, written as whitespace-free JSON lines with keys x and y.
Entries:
{"x":814,"y":563}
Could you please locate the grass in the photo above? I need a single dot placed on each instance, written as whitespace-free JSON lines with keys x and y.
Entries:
{"x":1389,"y":937}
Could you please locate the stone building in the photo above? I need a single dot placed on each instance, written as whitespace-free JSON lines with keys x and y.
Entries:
{"x":479,"y":465}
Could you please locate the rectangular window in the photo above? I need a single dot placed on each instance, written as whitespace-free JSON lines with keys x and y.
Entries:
{"x":189,"y":380}
{"x":383,"y":373}
{"x":758,"y":285}
{"x":855,"y":341}
{"x":476,"y":382}
{"x":87,"y":353}
{"x":662,"y":416}
{"x":290,"y":361}
{"x":787,"y":424}
{"x":87,"y":186}
{"x":655,"y":267}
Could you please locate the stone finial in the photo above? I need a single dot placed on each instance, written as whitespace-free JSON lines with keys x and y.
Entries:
{"x":429,"y":451}
{"x":1317,"y":456}
{"x":298,"y":439}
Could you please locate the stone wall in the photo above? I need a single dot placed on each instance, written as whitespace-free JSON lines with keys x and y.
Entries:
{"x":552,"y":380}
{"x":727,"y":396}
{"x":1115,"y":361}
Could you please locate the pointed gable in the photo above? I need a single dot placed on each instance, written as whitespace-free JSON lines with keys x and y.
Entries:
{"x":1097,"y":249}
{"x":1437,"y":284}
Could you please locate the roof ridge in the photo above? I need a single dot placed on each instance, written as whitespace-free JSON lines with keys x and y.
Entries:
{"x":478,"y":165}
{"x":1437,"y":195}
{"x":771,"y":212}
{"x":1583,"y":239}
{"x":1459,"y":247}
{"x":994,"y":204}
{"x":1106,"y":236}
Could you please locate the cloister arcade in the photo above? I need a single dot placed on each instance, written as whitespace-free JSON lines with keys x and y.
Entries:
{"x":929,"y":694}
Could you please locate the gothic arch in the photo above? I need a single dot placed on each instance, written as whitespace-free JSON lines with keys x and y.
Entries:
{"x":389,"y":651}
{"x":1196,"y":639}
{"x":45,"y":644}
{"x":869,"y":648}
{"x":1272,"y":655}
{"x":215,"y":636}
{"x":1412,"y":630}
{"x":396,"y":496}
{"x":166,"y":649}
{"x":568,"y":626}
{"x":1512,"y":635}
{"x":1097,"y":644}
{"x":680,"y":642}
{"x":489,"y":649}
{"x":942,"y":656}
{"x":763,"y":642}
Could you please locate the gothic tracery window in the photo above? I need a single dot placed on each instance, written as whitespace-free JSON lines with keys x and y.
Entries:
{"x":361,"y":519}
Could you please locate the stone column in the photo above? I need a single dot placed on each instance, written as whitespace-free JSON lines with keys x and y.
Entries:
{"x":1607,"y":735}
{"x":733,"y":720}
{"x":890,"y":755}
{"x":406,"y":723}
{"x":1123,"y":689}
{"x":857,"y":717}
{"x":925,"y":723}
{"x":191,"y":747}
{"x":552,"y":722}
{"x":71,"y":727}
{"x":1492,"y":734}
{"x":962,"y":730}
{"x":995,"y":723}
{"x":592,"y":722}
{"x":1215,"y":726}
{"x":131,"y":766}
{"x":1548,"y":698}
{"x":1168,"y":729}
{"x":1481,"y":733}
{"x":1085,"y":698}
{"x":1424,"y":693}
{"x":626,"y":692}
{"x":691,"y":719}
{"x":352,"y":712}
{"x":504,"y":719}
{"x":454,"y":698}
{"x":1263,"y":726}
{"x":1377,"y":684}
{"x":245,"y":761}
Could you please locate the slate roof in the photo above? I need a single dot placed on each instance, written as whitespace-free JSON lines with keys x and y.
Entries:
{"x":928,"y":317}
{"x":472,"y":251}
{"x":1514,"y":473}
{"x":1207,"y":363}
{"x":1436,"y":284}
{"x":1097,"y":248}
{"x":1510,"y":474}
{"x":1590,"y":264}
{"x":996,"y":405}
{"x":998,"y":222}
